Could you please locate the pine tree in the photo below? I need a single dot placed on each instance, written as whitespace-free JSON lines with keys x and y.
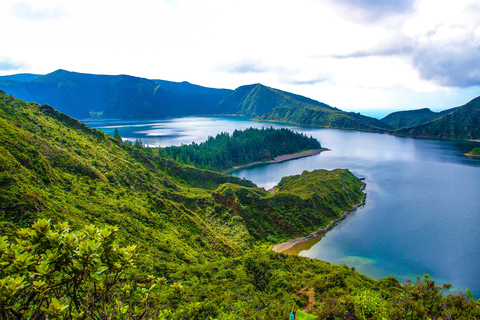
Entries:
{"x":116,"y":135}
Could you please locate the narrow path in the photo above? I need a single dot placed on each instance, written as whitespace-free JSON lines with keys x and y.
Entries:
{"x":311,"y":298}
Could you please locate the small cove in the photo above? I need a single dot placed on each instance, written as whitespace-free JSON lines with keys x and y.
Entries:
{"x":423,"y":196}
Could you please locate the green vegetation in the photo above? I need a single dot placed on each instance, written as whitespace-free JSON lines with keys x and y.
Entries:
{"x":412,"y":118}
{"x":256,"y":99}
{"x":200,"y":237}
{"x":242,"y":147}
{"x":463,"y":123}
{"x":322,"y":117}
{"x":474,"y":153}
{"x":56,"y":272}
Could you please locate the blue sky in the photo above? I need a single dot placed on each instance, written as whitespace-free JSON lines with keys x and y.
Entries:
{"x":357,"y":55}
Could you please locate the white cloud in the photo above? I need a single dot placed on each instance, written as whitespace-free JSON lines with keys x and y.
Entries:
{"x":29,"y":11}
{"x":8,"y":64}
{"x":309,"y":47}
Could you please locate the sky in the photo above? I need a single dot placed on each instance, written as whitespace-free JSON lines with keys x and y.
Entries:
{"x":366,"y":56}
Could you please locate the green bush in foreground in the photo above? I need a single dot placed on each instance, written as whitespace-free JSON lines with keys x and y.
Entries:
{"x":52,"y":272}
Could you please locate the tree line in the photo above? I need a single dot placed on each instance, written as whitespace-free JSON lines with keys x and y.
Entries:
{"x":242,"y":147}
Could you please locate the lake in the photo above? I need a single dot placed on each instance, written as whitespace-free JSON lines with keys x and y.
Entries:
{"x":422,"y":213}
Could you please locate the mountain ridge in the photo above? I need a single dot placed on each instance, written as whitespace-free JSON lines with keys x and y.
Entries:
{"x":462,"y":123}
{"x":412,"y":118}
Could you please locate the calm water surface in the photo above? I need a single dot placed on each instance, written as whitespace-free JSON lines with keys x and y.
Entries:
{"x":423,"y":196}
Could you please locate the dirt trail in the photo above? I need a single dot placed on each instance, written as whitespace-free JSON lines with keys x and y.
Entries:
{"x":311,"y":299}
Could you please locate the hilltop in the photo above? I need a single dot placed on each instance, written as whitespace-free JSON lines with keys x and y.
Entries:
{"x":257,"y":99}
{"x":412,"y":118}
{"x":269,"y":104}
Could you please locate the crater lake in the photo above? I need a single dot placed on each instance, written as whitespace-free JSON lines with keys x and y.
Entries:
{"x":422,"y":213}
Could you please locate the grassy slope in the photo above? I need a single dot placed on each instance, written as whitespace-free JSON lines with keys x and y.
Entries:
{"x":256,"y":99}
{"x":192,"y":226}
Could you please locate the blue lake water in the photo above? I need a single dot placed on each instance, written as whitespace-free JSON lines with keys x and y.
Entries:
{"x":422,"y":213}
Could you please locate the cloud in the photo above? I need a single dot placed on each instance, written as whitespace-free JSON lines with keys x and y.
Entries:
{"x":7,"y":64}
{"x":25,"y":11}
{"x":397,"y":46}
{"x":448,"y":43}
{"x":373,"y":11}
{"x":244,"y":66}
{"x":452,"y":64}
{"x":311,"y":81}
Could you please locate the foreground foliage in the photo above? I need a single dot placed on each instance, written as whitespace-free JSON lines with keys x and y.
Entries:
{"x":205,"y":232}
{"x":56,"y":272}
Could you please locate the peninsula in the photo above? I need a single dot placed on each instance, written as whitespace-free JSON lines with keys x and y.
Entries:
{"x":244,"y":148}
{"x":279,"y":159}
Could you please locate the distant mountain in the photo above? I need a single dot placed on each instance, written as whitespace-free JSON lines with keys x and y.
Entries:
{"x":87,"y":96}
{"x":412,"y":118}
{"x":20,"y":77}
{"x":462,"y":123}
{"x":203,"y":100}
{"x":256,"y":99}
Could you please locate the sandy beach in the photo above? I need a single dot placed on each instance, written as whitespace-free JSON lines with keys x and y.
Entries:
{"x":284,"y":246}
{"x":279,"y":159}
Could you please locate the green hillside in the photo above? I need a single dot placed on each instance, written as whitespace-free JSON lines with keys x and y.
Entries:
{"x":205,"y":232}
{"x":256,"y":99}
{"x":412,"y":118}
{"x":321,"y":117}
{"x":463,"y":123}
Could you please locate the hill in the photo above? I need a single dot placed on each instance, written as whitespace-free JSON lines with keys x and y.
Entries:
{"x":88,"y":96}
{"x":462,"y":123}
{"x":256,"y":99}
{"x":322,"y":117}
{"x":204,"y":231}
{"x":412,"y":118}
{"x":269,"y":104}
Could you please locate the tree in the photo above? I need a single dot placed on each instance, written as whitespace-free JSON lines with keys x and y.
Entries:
{"x":57,"y":273}
{"x":138,"y":143}
{"x":116,"y":135}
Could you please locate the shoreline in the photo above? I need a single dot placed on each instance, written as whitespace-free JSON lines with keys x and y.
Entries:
{"x":284,"y":246}
{"x":280,"y":159}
